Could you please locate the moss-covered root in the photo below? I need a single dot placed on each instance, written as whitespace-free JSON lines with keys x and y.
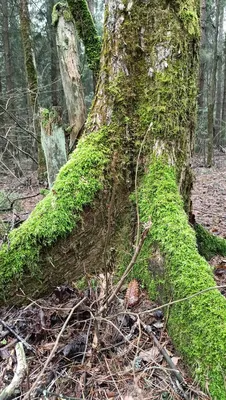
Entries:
{"x":198,"y":325}
{"x":58,"y":213}
{"x":87,"y":32}
{"x":209,"y":245}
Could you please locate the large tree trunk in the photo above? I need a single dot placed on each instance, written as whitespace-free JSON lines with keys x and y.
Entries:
{"x":145,"y":102}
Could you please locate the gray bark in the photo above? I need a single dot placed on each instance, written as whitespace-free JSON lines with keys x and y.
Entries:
{"x":67,"y":48}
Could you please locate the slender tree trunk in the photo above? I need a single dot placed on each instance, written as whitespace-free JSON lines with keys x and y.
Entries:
{"x":55,"y":76}
{"x":29,"y":60}
{"x":224,"y":95}
{"x":212,"y":91}
{"x":201,"y":96}
{"x":219,"y":90}
{"x":6,"y":47}
{"x":143,"y":116}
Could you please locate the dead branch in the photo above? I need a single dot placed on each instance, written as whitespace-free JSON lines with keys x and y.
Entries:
{"x":18,"y":198}
{"x":27,"y":395}
{"x":19,"y":375}
{"x":18,"y":124}
{"x":18,"y":337}
{"x":18,"y":148}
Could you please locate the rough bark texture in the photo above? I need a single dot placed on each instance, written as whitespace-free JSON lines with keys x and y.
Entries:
{"x":224,"y":94}
{"x":53,"y":142}
{"x":88,"y":34}
{"x":32,"y":81}
{"x":219,"y":86}
{"x":212,"y":91}
{"x":146,"y":94}
{"x":67,"y":48}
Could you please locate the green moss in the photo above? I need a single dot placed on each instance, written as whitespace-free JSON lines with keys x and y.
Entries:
{"x":87,"y":32}
{"x":198,"y":325}
{"x":61,"y":8}
{"x":57,"y":214}
{"x":209,"y":245}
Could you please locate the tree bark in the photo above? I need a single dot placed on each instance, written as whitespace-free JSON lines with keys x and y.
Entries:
{"x":88,"y":34}
{"x":212,"y":92}
{"x":68,"y":56}
{"x":219,"y":86}
{"x":224,"y":94}
{"x":32,"y":80}
{"x":53,"y":142}
{"x":143,"y":116}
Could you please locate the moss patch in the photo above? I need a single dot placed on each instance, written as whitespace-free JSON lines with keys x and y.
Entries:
{"x":61,"y":9}
{"x":57,"y":214}
{"x":209,"y":245}
{"x":87,"y":32}
{"x":197,"y":326}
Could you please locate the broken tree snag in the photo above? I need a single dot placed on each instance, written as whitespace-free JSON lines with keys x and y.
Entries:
{"x":67,"y":49}
{"x":88,"y":34}
{"x":53,"y":142}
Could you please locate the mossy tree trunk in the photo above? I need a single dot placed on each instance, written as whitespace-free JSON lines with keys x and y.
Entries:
{"x":145,"y":100}
{"x":66,"y":40}
{"x":88,"y":34}
{"x":32,"y":81}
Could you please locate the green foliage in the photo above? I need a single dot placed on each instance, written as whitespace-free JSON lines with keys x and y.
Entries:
{"x":57,"y":214}
{"x":197,"y":321}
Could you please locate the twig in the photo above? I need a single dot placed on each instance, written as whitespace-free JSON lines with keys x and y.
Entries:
{"x":47,"y":393}
{"x":128,"y":269}
{"x":18,"y":124}
{"x":169,"y":361}
{"x":53,"y":349}
{"x":112,"y":377}
{"x":18,"y":148}
{"x":19,"y":374}
{"x":27,"y":345}
{"x":19,"y":198}
{"x":183,"y":299}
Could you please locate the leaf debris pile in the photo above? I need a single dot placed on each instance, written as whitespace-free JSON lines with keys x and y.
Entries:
{"x":123,"y":354}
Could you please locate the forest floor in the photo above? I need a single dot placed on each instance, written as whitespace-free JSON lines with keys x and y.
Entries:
{"x":126,"y":354}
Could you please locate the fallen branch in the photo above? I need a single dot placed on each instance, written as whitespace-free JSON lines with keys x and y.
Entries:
{"x":18,"y":337}
{"x":19,"y":198}
{"x":19,"y":375}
